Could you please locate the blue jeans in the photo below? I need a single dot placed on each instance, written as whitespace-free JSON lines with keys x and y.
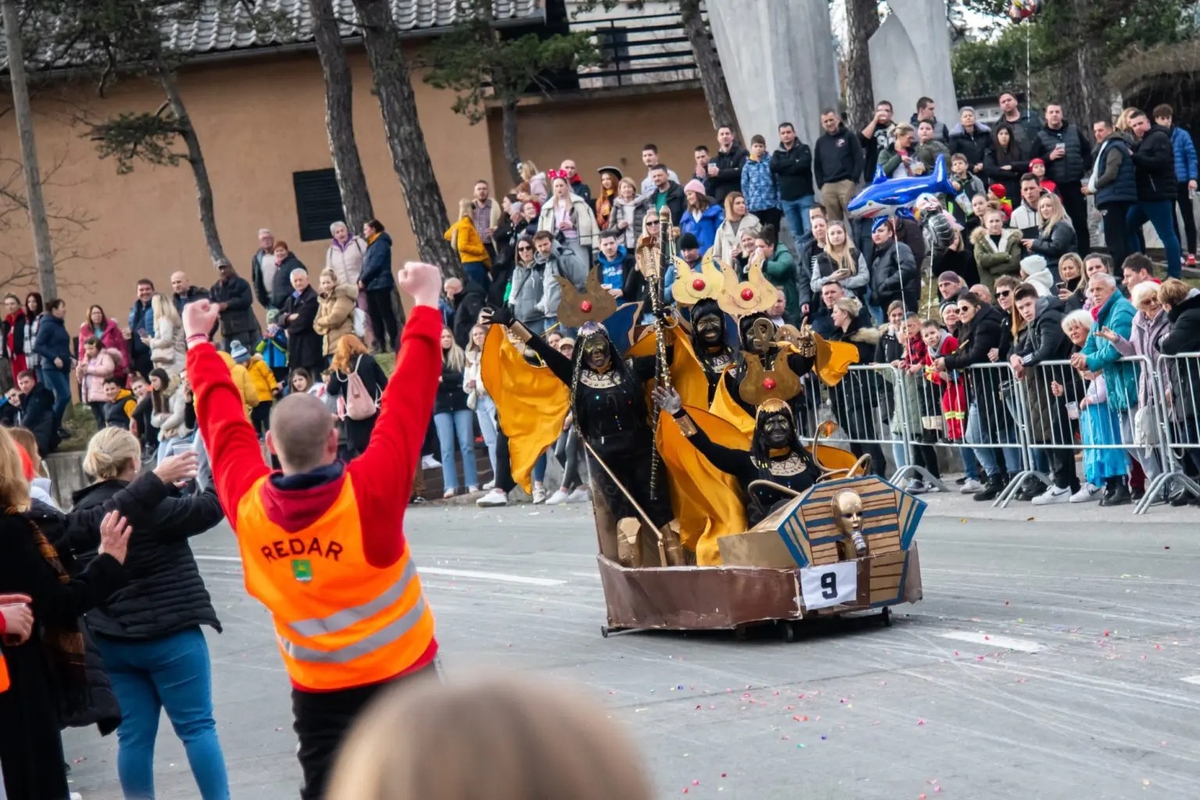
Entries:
{"x":58,"y":382}
{"x":987,"y":455}
{"x":796,"y":213}
{"x":172,"y":673}
{"x":539,"y":468}
{"x":1161,"y":215}
{"x":485,"y":412}
{"x":451,"y":427}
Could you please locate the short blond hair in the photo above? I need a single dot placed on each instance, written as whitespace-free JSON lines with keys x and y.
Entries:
{"x":444,"y":742}
{"x":110,"y":452}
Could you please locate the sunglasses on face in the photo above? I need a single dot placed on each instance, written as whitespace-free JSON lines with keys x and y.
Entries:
{"x":650,"y":223}
{"x":964,"y":309}
{"x":1003,"y":294}
{"x":524,"y":248}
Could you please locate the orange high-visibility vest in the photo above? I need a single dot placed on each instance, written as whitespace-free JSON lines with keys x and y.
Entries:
{"x":340,"y":622}
{"x":4,"y":683}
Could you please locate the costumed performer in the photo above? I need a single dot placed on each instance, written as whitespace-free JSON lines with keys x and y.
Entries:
{"x":775,"y":453}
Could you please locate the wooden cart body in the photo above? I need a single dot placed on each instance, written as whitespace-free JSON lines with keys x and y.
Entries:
{"x":768,"y":568}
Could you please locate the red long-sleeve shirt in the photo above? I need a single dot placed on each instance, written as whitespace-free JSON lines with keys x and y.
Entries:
{"x":383,"y":474}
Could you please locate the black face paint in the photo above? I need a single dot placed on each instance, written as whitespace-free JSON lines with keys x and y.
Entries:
{"x":758,"y":339}
{"x":595,"y":353}
{"x":710,"y":329}
{"x":777,"y":431}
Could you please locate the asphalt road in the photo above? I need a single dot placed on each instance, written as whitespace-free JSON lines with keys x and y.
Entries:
{"x":1048,"y":659}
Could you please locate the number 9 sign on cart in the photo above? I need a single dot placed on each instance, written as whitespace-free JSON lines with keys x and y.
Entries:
{"x":829,"y":585}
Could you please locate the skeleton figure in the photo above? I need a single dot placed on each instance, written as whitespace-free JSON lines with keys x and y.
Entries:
{"x":848,"y":513}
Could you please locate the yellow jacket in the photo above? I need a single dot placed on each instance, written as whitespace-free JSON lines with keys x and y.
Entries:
{"x":465,"y":239}
{"x":242,"y":380}
{"x":262,"y":378}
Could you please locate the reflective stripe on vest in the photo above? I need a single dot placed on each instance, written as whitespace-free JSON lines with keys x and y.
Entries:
{"x":339,"y":621}
{"x":381,"y":638}
{"x":310,"y":628}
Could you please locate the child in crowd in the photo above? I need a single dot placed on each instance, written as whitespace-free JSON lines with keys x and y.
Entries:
{"x":1038,"y":168}
{"x":97,"y":366}
{"x":274,"y":348}
{"x":265,"y":385}
{"x":945,"y":394}
{"x":120,"y":405}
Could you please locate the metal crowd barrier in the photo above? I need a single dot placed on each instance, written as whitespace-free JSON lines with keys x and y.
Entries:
{"x":1174,"y":419}
{"x":1023,"y":427}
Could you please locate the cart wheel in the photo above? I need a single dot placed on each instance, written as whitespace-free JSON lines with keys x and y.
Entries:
{"x":604,"y":631}
{"x":739,"y":633}
{"x":789,"y":632}
{"x":887,"y":618}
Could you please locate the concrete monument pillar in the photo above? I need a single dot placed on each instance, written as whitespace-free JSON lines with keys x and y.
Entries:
{"x":910,"y":59}
{"x":778,"y":60}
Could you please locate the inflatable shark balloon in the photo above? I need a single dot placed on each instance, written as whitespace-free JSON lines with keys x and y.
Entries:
{"x":885,"y":197}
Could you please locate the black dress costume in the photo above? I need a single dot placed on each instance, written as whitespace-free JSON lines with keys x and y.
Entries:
{"x":793,"y":468}
{"x":610,"y":412}
{"x":713,"y":360}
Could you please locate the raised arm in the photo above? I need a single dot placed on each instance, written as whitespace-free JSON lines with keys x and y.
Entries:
{"x":238,"y":462}
{"x":383,"y":474}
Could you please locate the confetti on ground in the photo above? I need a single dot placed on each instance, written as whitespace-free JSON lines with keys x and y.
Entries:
{"x":920,"y":722}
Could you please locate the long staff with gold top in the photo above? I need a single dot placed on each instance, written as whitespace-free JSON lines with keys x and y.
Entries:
{"x":657,"y":305}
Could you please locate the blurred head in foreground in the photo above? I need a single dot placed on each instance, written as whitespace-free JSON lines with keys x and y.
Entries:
{"x":491,"y":739}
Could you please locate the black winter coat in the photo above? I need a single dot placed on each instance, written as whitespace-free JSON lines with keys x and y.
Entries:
{"x":467,"y":305}
{"x":237,"y":320}
{"x":894,"y":273}
{"x":1154,"y":158}
{"x":729,"y":175}
{"x":53,"y":342}
{"x":1054,"y":242}
{"x":1077,"y":158}
{"x":165,"y":593}
{"x":837,"y":157}
{"x":994,"y":161}
{"x":450,"y":394}
{"x":971,"y":144}
{"x":37,"y":414}
{"x":676,"y":201}
{"x":305,"y":348}
{"x":1184,"y":338}
{"x":793,"y":171}
{"x":275,"y":295}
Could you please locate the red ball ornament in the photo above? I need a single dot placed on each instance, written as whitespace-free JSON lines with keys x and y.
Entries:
{"x":768,"y":383}
{"x":586,"y":306}
{"x":747,"y":295}
{"x":698,"y":284}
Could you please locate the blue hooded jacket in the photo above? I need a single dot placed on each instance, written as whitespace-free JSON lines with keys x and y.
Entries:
{"x":1186,"y":167}
{"x":705,"y":228}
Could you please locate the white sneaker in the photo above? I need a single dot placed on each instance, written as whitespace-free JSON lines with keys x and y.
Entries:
{"x":1053,"y":496}
{"x":429,"y":462}
{"x":971,"y":486}
{"x":560,"y":496}
{"x":917,"y":486}
{"x":76,"y":796}
{"x":580,"y":495}
{"x":496,"y":497}
{"x":539,"y":495}
{"x":1087,"y":494}
{"x":487,"y":487}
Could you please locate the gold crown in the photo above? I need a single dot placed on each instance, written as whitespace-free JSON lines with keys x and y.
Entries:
{"x":594,"y":304}
{"x":761,"y":387}
{"x":755,"y":295}
{"x":692,"y":287}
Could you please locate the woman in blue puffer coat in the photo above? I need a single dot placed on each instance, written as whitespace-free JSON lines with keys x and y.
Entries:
{"x":702,"y":218}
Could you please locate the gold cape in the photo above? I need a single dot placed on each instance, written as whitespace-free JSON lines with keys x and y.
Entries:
{"x":707,"y":502}
{"x":531,"y":403}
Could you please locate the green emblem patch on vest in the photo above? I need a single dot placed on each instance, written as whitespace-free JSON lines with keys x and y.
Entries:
{"x":302,"y":570}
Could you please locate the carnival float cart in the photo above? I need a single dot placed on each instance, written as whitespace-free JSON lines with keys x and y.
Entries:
{"x":711,"y":510}
{"x":798,"y":563}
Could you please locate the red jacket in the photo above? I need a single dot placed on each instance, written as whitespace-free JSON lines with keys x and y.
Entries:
{"x":383,"y":474}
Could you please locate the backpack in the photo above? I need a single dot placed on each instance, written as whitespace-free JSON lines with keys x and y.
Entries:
{"x":360,"y":404}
